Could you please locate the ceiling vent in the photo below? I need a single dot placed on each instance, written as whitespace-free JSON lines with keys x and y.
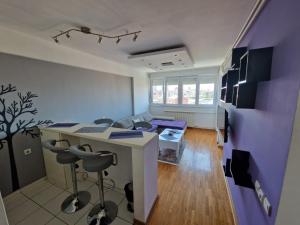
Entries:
{"x":163,"y":60}
{"x":167,"y":64}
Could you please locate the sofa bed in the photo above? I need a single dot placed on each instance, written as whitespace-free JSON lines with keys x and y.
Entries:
{"x":148,"y":122}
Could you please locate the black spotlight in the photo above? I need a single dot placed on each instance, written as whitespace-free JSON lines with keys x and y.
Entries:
{"x":68,"y":35}
{"x":99,"y":40}
{"x":135,"y":37}
{"x":118,"y":40}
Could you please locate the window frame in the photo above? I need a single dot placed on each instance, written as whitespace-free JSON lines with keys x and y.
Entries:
{"x":151,"y":91}
{"x":214,"y":98}
{"x":200,"y":79}
{"x":196,"y":97}
{"x":178,"y":94}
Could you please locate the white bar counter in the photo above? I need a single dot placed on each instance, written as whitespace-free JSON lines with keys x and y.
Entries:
{"x":137,"y":162}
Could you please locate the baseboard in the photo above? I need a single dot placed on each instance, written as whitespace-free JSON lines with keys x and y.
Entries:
{"x":137,"y":222}
{"x":230,"y":199}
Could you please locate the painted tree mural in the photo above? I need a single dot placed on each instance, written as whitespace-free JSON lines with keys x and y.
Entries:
{"x":14,"y":119}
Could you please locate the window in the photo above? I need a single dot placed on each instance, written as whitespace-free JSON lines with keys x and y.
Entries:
{"x":158,"y":91}
{"x":206,"y":94}
{"x":189,"y":91}
{"x":172,"y":91}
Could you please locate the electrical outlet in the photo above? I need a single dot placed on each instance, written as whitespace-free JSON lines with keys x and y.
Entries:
{"x":267,"y":206}
{"x":260,"y":195}
{"x":259,"y":191}
{"x":262,"y":198}
{"x":257,"y":185}
{"x":27,"y":151}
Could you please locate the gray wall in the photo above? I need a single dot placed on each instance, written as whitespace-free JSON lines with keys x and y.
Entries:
{"x":68,"y":93}
{"x":65,"y":94}
{"x":30,"y":167}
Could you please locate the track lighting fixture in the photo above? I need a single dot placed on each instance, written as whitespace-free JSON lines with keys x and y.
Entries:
{"x":135,"y":37}
{"x":68,"y":35}
{"x":87,"y":30}
{"x":99,"y":39}
{"x":118,"y":40}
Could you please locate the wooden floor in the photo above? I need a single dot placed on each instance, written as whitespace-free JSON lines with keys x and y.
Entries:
{"x":193,"y":193}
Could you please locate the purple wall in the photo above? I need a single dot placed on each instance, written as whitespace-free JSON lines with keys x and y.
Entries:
{"x":266,"y":130}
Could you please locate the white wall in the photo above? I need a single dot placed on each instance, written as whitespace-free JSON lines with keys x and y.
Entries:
{"x":141,"y":94}
{"x":289,"y":206}
{"x":202,"y":116}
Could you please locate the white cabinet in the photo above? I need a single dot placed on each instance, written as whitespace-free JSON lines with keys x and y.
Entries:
{"x":57,"y":174}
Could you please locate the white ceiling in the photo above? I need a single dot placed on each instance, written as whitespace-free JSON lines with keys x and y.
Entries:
{"x":165,"y":60}
{"x":206,"y":27}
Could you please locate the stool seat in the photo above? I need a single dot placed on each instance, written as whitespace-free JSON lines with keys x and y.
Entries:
{"x":96,"y":165}
{"x":66,"y":158}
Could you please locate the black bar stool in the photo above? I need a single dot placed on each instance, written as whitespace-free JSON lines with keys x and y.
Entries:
{"x":77,"y":200}
{"x":106,"y":211}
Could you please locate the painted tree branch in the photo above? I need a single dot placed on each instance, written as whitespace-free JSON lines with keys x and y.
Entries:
{"x":4,"y":90}
{"x":2,"y":112}
{"x":11,"y":123}
{"x":10,"y":114}
{"x":1,"y":144}
{"x":31,"y":131}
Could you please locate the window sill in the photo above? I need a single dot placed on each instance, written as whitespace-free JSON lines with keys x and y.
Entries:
{"x":184,"y":106}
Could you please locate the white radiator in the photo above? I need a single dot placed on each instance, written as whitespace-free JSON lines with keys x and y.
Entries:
{"x":189,"y":117}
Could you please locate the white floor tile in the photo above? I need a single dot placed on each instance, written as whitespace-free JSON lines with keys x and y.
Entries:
{"x":94,"y":194}
{"x":19,"y":213}
{"x":54,"y":205}
{"x":110,"y":195}
{"x":83,"y":220}
{"x":40,"y":217}
{"x":123,"y":213}
{"x":14,"y":200}
{"x":114,"y":196}
{"x":35,"y":188}
{"x":72,"y":219}
{"x":82,"y":185}
{"x":55,"y":221}
{"x":119,"y":221}
{"x":45,"y":196}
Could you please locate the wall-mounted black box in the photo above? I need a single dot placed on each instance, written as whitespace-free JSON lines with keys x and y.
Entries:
{"x":239,"y":168}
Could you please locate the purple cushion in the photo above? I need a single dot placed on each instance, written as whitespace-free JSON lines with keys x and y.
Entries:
{"x":173,"y":124}
{"x":152,"y":129}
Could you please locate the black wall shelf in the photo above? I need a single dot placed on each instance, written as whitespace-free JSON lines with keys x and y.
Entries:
{"x":232,"y":79}
{"x":223,"y":94}
{"x":227,"y":168}
{"x":239,"y":84}
{"x":239,"y":167}
{"x":244,"y":95}
{"x":224,"y":80}
{"x":237,"y":53}
{"x":255,"y":65}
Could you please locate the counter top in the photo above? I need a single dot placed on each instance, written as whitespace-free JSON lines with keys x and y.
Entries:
{"x":104,"y":136}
